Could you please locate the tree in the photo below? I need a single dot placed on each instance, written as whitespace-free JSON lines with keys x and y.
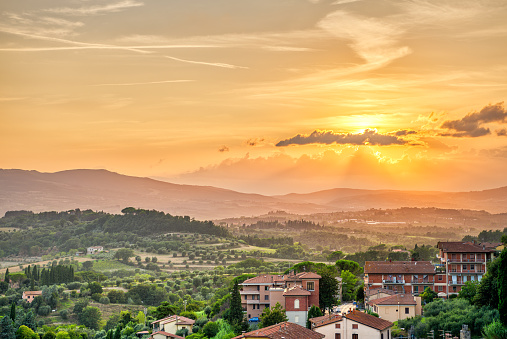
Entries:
{"x":24,"y":332}
{"x":328,"y":288}
{"x":428,"y":295}
{"x":469,"y":290}
{"x":272,"y":316}
{"x":349,"y":265}
{"x":360,"y":293}
{"x":124,"y":254}
{"x":235,"y":315}
{"x":163,"y":310}
{"x":95,"y":287}
{"x":210,"y":329}
{"x":90,"y":317}
{"x":313,"y":313}
{"x":7,"y":330}
{"x":7,"y":278}
{"x":349,"y":281}
{"x":336,"y":255}
{"x":87,"y":265}
{"x":4,"y":286}
{"x":13,"y":311}
{"x":502,"y":286}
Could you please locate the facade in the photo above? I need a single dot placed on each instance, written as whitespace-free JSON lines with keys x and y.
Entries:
{"x":406,"y":277}
{"x":353,"y":325}
{"x":286,"y":330}
{"x":30,"y":295}
{"x":295,"y":292}
{"x":396,"y":307}
{"x":172,"y":324}
{"x":164,"y":335}
{"x":463,"y":261}
{"x":94,"y":249}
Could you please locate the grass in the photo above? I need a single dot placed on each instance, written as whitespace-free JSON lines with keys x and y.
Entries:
{"x":110,"y":266}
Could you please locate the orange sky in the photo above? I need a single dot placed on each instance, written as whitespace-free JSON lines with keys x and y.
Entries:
{"x":259,"y":95}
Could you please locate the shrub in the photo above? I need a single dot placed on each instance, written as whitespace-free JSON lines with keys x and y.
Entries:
{"x":64,"y":314}
{"x":44,"y":310}
{"x":104,"y":300}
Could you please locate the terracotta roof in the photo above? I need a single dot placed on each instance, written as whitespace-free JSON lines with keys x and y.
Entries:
{"x":296,"y":290}
{"x":379,"y":290}
{"x":33,"y":292}
{"x":399,"y":267}
{"x":285,"y":330}
{"x":308,"y":275}
{"x":458,"y":246}
{"x":325,"y":320}
{"x":368,"y":320}
{"x":171,"y":318}
{"x":402,"y":299}
{"x":169,"y":335}
{"x":491,"y":245}
{"x":264,"y":279}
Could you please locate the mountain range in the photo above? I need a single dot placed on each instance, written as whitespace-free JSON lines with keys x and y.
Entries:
{"x":111,"y":192}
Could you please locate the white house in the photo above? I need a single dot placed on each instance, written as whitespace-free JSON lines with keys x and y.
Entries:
{"x":94,"y":249}
{"x":353,"y":325}
{"x":170,"y":325}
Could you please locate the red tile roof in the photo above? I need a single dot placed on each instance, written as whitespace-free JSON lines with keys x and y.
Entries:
{"x":296,"y":290}
{"x":308,"y":275}
{"x":368,"y":320}
{"x":325,"y":320}
{"x":397,"y":299}
{"x":458,"y":246}
{"x":399,"y":267}
{"x":264,"y":279}
{"x":169,"y":335}
{"x":171,"y":318}
{"x":285,"y":330}
{"x":374,"y":291}
{"x":32,"y":293}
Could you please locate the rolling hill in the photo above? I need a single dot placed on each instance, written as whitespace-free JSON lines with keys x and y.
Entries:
{"x":111,"y":192}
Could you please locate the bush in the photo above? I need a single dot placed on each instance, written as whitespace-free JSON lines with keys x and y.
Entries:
{"x":182,"y":332}
{"x":64,"y":314}
{"x":74,"y":285}
{"x":104,"y":300}
{"x":210,"y":329}
{"x":44,"y":310}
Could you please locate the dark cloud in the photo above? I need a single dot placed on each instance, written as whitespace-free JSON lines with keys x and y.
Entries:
{"x":403,"y":132}
{"x":502,"y":132}
{"x":254,"y":141}
{"x":368,"y":137}
{"x":223,"y":149}
{"x":472,"y":125}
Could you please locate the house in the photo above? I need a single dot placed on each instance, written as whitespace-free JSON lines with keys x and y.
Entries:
{"x":463,"y":261}
{"x":406,"y":277}
{"x":295,"y":292}
{"x":377,"y":293}
{"x":286,"y":330}
{"x":353,"y":325}
{"x":30,"y":295}
{"x":165,"y":335}
{"x":94,"y":249}
{"x":396,"y":307}
{"x":170,"y":325}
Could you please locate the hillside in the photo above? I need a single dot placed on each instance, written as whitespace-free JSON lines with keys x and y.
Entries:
{"x":110,"y":192}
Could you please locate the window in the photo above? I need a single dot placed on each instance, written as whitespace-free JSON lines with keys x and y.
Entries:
{"x":258,"y":288}
{"x":296,"y":319}
{"x":440,"y":277}
{"x":355,"y":326}
{"x":381,"y":335}
{"x":337,"y":336}
{"x":407,"y":311}
{"x":310,"y":286}
{"x":266,"y":297}
{"x":337,"y":326}
{"x":454,"y":288}
{"x":472,"y":267}
{"x":440,"y":288}
{"x":296,"y":303}
{"x":464,"y":267}
{"x":266,"y":288}
{"x":355,"y":336}
{"x":416,"y":289}
{"x":246,"y":297}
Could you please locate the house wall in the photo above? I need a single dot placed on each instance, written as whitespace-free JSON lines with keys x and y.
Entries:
{"x":276,"y":296}
{"x":394,"y":312}
{"x":171,"y":327}
{"x":303,"y":303}
{"x":346,"y":330}
{"x":314,"y":297}
{"x":297,"y":317}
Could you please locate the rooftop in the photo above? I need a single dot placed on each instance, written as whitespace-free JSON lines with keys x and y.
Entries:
{"x":171,"y":318}
{"x":274,"y":279}
{"x":458,"y":246}
{"x":296,"y":290}
{"x":325,"y":320}
{"x":368,"y":320}
{"x":285,"y":330}
{"x":169,"y":335}
{"x":374,"y":291}
{"x":399,"y":267}
{"x":397,"y":299}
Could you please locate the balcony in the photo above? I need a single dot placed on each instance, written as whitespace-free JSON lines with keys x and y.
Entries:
{"x":450,"y":283}
{"x":394,"y":282}
{"x":422,"y":281}
{"x":251,"y":302}
{"x":467,"y":260}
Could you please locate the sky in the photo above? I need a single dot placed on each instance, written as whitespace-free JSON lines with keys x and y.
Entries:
{"x":261,"y":96}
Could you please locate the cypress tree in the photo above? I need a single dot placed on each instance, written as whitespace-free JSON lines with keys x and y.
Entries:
{"x":13,"y":311}
{"x":7,"y":329}
{"x":236,"y":311}
{"x":7,"y":279}
{"x":502,"y":286}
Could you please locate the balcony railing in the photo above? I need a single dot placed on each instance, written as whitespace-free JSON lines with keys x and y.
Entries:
{"x":466,"y":260}
{"x":393,"y":282}
{"x":465,"y":271}
{"x":422,"y":281}
{"x":456,"y":283}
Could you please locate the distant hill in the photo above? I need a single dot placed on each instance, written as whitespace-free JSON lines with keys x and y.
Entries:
{"x":111,"y":192}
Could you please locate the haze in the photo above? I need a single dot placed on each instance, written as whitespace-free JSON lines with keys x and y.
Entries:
{"x":259,"y":96}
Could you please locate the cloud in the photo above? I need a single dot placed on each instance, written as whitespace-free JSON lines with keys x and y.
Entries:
{"x":368,"y":137}
{"x":145,"y":83}
{"x":472,"y":125}
{"x":223,"y":149}
{"x":216,"y":64}
{"x":254,"y":141}
{"x":502,"y":132}
{"x":404,"y":132}
{"x":95,"y":10}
